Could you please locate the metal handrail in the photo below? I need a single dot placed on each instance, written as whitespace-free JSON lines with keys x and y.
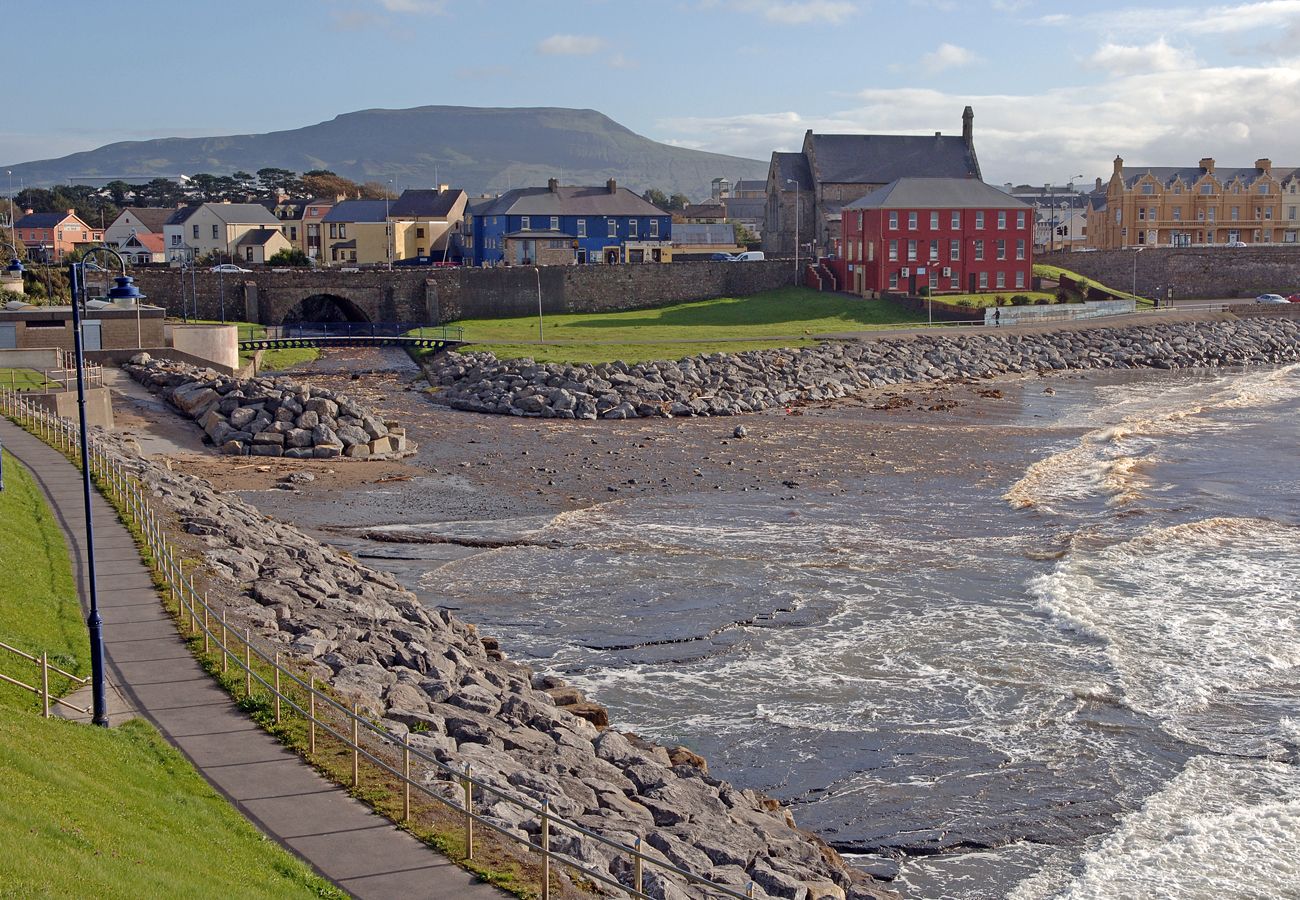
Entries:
{"x":68,"y":675}
{"x":120,"y":485}
{"x":44,"y":690}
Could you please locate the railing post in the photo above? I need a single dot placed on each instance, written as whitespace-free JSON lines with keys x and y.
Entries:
{"x":406,"y":777}
{"x":638,"y":868}
{"x":469,"y":815}
{"x":225,"y":643}
{"x":356,"y":745}
{"x":311,"y":716}
{"x":45,"y":683}
{"x":546,"y":849}
{"x":205,"y":625}
{"x":277,"y":687}
{"x":248,"y":665}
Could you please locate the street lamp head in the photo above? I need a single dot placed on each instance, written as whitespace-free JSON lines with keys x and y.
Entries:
{"x":125,"y":290}
{"x":15,"y":267}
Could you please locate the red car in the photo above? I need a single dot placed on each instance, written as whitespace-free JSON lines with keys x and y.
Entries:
{"x":1293,"y":298}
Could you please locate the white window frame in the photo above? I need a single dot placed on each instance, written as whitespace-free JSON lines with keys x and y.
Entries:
{"x":582,"y":228}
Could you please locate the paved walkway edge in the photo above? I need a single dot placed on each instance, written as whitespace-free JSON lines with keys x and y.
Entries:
{"x":153,"y":670}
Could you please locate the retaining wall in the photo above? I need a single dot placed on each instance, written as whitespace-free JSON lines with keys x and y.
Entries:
{"x":1195,"y":272}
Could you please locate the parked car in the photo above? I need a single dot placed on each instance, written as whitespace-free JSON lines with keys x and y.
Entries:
{"x":1235,"y":244}
{"x":1270,"y":298}
{"x":229,"y":268}
{"x":1293,"y":298}
{"x":721,"y":257}
{"x":749,"y":256}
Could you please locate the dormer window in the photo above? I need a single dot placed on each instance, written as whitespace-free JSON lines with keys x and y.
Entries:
{"x":1207,"y":187}
{"x":1148,"y":188}
{"x":1263,"y":189}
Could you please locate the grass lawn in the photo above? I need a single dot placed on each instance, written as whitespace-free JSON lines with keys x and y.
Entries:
{"x":21,"y":379}
{"x":1055,"y":272}
{"x":274,"y":360}
{"x":39,"y":610}
{"x":979,"y":301}
{"x":91,"y":812}
{"x":781,"y":318}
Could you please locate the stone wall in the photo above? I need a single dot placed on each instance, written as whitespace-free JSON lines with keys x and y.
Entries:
{"x":1200,"y":272}
{"x":443,"y":295}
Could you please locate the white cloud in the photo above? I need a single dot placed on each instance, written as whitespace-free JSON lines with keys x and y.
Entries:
{"x":419,"y":7}
{"x":947,"y":56}
{"x":1120,"y":59}
{"x":799,"y":12}
{"x":1155,"y":118}
{"x":1214,"y":20}
{"x":619,"y":61}
{"x":570,"y":45}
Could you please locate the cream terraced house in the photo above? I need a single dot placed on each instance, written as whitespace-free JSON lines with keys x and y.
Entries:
{"x":1201,"y":205}
{"x":194,"y":232}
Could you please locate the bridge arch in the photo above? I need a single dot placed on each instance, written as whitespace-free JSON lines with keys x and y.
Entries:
{"x":324,"y":307}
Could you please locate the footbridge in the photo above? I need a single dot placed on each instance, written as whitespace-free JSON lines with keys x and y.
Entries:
{"x":351,"y":334}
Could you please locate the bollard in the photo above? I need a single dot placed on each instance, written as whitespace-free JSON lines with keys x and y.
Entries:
{"x":638,"y":868}
{"x":311,"y":716}
{"x":45,"y":683}
{"x":406,"y":777}
{"x":277,"y":687}
{"x":546,"y":849}
{"x":248,"y":665}
{"x":469,"y":815}
{"x":356,"y":746}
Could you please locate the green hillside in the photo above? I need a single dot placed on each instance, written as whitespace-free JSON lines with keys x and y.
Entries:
{"x":478,"y":149}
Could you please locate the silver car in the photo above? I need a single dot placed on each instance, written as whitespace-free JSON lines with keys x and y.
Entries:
{"x":1270,"y":298}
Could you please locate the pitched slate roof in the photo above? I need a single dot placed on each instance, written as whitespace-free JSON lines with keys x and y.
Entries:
{"x":258,"y":236}
{"x":1165,"y":175}
{"x":41,"y":220}
{"x":749,"y":185}
{"x":243,"y":213}
{"x":711,"y":210}
{"x":358,"y":211}
{"x":937,"y":193}
{"x":151,"y":217}
{"x":180,"y":216}
{"x":792,"y":166}
{"x":882,"y":158}
{"x":754,"y":208}
{"x":570,"y":201}
{"x":425,"y":203}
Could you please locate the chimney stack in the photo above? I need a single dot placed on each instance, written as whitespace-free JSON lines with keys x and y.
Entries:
{"x":968,"y":125}
{"x":553,"y":185}
{"x":1098,"y":187}
{"x":443,"y":187}
{"x":1208,"y":164}
{"x":72,"y":212}
{"x":612,"y":186}
{"x":1264,"y":165}
{"x":1119,"y":165}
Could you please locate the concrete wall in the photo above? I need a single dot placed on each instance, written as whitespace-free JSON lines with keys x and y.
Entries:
{"x":216,"y":343}
{"x":1200,"y":272}
{"x":442,"y":295}
{"x":99,"y":405}
{"x":1028,"y":315}
{"x":119,"y":328}
{"x":30,"y":359}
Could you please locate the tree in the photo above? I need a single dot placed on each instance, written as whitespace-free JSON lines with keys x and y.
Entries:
{"x":375,"y":190}
{"x":656,"y":197}
{"x":117,"y":191}
{"x":678,"y":202}
{"x":324,"y":183}
{"x":743,"y":234}
{"x":289,"y":256}
{"x":158,"y":192}
{"x":272,"y":181}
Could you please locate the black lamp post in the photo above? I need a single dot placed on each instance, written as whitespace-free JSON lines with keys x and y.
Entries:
{"x":124,"y":290}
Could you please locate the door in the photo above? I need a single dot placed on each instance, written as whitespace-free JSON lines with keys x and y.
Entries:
{"x":8,"y":336}
{"x":90,"y":338}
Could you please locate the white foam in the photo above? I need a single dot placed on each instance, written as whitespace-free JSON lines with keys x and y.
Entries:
{"x":1223,"y":828}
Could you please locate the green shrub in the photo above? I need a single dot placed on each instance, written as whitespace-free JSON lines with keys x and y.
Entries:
{"x":1045,"y":301}
{"x":965,"y":302}
{"x":923,"y":292}
{"x":1020,"y":300}
{"x":1000,"y":300}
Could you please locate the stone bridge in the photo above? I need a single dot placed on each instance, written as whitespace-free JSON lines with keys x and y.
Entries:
{"x":438,"y":296}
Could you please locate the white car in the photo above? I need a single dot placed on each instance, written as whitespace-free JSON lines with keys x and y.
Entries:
{"x":229,"y":269}
{"x":1270,"y":298}
{"x":1235,"y":244}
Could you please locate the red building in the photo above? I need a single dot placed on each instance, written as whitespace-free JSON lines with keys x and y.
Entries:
{"x":952,"y":235}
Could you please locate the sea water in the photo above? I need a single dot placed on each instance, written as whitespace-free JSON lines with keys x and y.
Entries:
{"x":1080,"y":682}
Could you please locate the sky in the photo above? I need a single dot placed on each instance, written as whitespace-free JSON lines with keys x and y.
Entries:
{"x":1058,"y":89}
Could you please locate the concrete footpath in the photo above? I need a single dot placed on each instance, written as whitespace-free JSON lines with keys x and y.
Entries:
{"x":154,"y":675}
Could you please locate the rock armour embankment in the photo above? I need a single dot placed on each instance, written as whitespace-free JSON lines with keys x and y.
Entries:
{"x":732,"y":384}
{"x":431,"y":675}
{"x":271,"y":416}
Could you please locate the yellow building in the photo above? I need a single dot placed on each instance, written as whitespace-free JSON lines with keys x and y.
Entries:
{"x":423,"y":221}
{"x":1206,"y":204}
{"x":356,"y":233}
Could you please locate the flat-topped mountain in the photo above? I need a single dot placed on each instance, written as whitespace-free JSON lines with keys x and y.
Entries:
{"x":478,"y":149}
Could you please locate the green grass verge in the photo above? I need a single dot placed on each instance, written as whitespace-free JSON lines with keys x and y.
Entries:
{"x":979,"y":301}
{"x":274,"y":360}
{"x":39,"y":609}
{"x":92,"y":812}
{"x":247,"y":330}
{"x":780,"y":318}
{"x":22,"y":379}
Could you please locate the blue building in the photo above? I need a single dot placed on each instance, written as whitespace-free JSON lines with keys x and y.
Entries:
{"x":557,"y":225}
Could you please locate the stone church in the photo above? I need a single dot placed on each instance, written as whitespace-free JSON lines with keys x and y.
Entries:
{"x":833,"y":170}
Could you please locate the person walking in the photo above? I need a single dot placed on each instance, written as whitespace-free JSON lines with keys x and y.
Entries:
{"x":997,"y":317}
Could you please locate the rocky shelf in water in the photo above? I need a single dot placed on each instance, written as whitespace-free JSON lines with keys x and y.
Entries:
{"x":431,"y":676}
{"x":271,"y":416}
{"x":728,"y":384}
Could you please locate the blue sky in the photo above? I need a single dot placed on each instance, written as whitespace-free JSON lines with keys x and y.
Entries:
{"x":1058,"y":89}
